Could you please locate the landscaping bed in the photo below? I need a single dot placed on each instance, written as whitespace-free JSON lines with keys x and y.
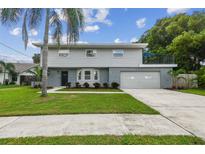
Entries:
{"x":26,"y":101}
{"x":106,"y":140}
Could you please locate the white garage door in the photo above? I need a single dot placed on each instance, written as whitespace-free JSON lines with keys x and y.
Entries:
{"x":140,"y":80}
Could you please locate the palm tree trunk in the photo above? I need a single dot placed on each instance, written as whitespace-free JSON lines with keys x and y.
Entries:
{"x":45,"y":56}
{"x":4,"y":76}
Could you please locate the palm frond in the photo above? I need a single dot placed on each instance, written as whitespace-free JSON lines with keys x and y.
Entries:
{"x":24,"y":30}
{"x":75,"y":21}
{"x":57,"y":26}
{"x":10,"y":16}
{"x":34,"y":17}
{"x":2,"y":63}
{"x":10,"y":67}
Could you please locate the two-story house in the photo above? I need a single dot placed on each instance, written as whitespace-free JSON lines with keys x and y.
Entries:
{"x":105,"y":63}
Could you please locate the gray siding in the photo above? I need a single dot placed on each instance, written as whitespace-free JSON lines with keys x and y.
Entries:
{"x":54,"y":78}
{"x":165,"y":78}
{"x":104,"y":58}
{"x":104,"y":75}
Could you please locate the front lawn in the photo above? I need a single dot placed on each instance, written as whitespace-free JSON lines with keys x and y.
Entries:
{"x":194,"y":91}
{"x":106,"y":140}
{"x":8,"y":86}
{"x":91,"y":89}
{"x":26,"y":101}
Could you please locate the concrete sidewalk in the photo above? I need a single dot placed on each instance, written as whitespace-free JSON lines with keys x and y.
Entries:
{"x":88,"y":124}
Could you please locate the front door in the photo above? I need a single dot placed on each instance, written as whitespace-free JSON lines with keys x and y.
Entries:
{"x":64,"y":78}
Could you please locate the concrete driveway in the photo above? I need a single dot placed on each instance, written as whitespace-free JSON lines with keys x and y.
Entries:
{"x":186,"y":110}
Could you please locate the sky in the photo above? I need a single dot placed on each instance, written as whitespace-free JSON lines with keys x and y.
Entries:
{"x":101,"y":26}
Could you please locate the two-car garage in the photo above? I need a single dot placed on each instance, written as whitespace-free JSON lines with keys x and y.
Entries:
{"x":140,"y":80}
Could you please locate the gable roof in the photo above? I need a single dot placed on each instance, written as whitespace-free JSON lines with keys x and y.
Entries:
{"x":96,"y":46}
{"x":22,"y":67}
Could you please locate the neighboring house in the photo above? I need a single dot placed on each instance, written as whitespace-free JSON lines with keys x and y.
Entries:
{"x":121,"y":63}
{"x":22,"y":76}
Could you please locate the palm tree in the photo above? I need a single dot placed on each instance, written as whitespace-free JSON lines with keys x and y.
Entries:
{"x":37,"y":72}
{"x":7,"y":68}
{"x":32,"y":17}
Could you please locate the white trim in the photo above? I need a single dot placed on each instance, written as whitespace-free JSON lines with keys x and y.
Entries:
{"x":158,"y":65}
{"x":92,"y":75}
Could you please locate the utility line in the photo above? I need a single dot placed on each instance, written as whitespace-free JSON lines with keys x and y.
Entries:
{"x":3,"y":44}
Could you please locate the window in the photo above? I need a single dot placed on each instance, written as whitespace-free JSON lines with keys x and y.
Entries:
{"x":118,"y":53}
{"x":90,"y":53}
{"x":79,"y":75}
{"x":87,"y":75}
{"x":63,"y":53}
{"x":95,"y":73}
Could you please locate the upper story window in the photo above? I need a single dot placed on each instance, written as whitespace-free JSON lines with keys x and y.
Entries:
{"x":63,"y":53}
{"x":91,"y":53}
{"x":118,"y":53}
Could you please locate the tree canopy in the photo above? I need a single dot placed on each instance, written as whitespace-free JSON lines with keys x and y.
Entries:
{"x":182,"y":35}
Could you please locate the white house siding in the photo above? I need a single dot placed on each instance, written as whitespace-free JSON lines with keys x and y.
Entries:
{"x":104,"y":58}
{"x":2,"y":77}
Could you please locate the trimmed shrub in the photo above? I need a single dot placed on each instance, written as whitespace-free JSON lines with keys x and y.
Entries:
{"x":115,"y":85}
{"x":68,"y":84}
{"x":86,"y":85}
{"x":77,"y":85}
{"x":105,"y":85}
{"x":96,"y":85}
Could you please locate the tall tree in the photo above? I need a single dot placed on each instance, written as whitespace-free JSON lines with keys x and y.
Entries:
{"x":36,"y":58}
{"x":51,"y":18}
{"x":7,"y":68}
{"x":182,"y":35}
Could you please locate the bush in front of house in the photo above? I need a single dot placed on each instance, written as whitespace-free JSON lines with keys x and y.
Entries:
{"x":77,"y":85}
{"x":68,"y":84}
{"x":105,"y":85}
{"x":96,"y":85}
{"x":115,"y":85}
{"x":201,"y":77}
{"x":86,"y":85}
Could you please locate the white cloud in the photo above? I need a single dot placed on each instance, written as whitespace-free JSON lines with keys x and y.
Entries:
{"x":141,"y":22}
{"x":117,"y":40}
{"x":33,"y":32}
{"x":82,"y":42}
{"x":92,"y":28}
{"x":134,"y":39}
{"x":176,"y":10}
{"x":97,"y":16}
{"x":16,"y":31}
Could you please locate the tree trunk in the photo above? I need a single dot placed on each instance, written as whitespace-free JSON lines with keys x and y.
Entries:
{"x":45,"y":56}
{"x":4,"y":76}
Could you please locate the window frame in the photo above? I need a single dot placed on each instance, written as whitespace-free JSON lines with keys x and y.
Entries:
{"x":116,"y":51}
{"x":92,"y":77}
{"x":94,"y":51}
{"x":61,"y":52}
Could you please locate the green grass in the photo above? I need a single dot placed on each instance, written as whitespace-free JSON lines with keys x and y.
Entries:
{"x":8,"y":86}
{"x":106,"y":140}
{"x":194,"y":91}
{"x":26,"y":101}
{"x":91,"y":89}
